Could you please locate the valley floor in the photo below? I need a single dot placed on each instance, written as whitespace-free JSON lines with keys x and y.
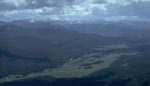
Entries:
{"x":101,"y":58}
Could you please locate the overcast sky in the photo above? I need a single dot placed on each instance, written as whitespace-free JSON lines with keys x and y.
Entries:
{"x":74,"y":9}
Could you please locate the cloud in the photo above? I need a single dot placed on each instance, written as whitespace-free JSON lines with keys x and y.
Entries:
{"x":74,"y":9}
{"x":86,"y":8}
{"x":16,"y":3}
{"x":119,"y":2}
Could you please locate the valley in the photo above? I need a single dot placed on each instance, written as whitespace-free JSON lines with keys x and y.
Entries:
{"x":54,"y":54}
{"x":74,"y":43}
{"x":80,"y":67}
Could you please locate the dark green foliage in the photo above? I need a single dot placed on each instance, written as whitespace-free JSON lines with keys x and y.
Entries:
{"x":35,"y":48}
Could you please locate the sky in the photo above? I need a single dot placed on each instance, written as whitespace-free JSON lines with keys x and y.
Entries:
{"x":75,"y":9}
